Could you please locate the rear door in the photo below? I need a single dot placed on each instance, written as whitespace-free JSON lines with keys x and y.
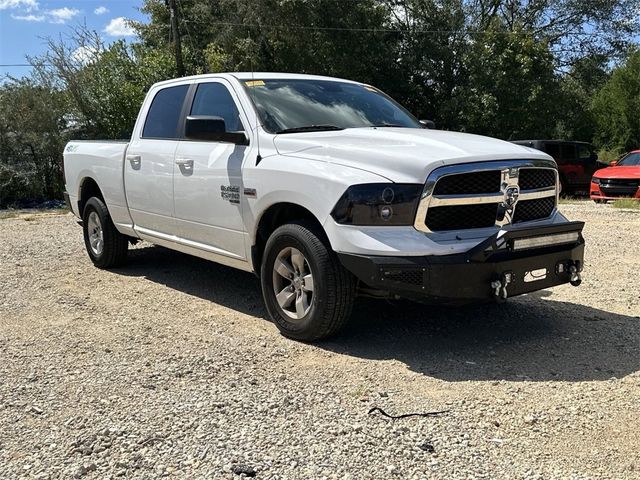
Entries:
{"x":149,"y":163}
{"x":207,"y":182}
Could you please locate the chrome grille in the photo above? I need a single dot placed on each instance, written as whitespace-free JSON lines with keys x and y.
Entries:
{"x":528,"y":210}
{"x":533,"y":178}
{"x":488,"y":194}
{"x":467,"y":183}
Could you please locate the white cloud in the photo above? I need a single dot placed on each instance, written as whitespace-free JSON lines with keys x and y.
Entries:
{"x":101,"y":10}
{"x":28,"y":18}
{"x":61,"y":15}
{"x":118,"y":27}
{"x":85,"y":55}
{"x":28,"y":4}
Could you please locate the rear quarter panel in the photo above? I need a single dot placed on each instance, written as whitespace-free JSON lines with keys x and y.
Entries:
{"x":103,"y":163}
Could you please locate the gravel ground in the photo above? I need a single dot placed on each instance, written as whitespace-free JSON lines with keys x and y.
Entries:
{"x":168,"y":368}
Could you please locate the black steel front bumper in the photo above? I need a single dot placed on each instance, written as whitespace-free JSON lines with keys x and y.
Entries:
{"x":479,"y":274}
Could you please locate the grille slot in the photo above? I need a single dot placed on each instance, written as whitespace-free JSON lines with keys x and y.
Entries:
{"x":534,"y":178}
{"x":469,"y":183}
{"x":460,"y":217}
{"x":528,"y":210}
{"x":408,"y":277}
{"x":620,"y":182}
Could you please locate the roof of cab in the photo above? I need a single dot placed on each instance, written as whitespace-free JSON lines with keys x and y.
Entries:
{"x":248,"y":76}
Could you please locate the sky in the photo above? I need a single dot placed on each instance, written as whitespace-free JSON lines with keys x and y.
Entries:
{"x":24,"y":23}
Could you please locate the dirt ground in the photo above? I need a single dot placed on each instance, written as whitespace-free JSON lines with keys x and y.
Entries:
{"x":167,"y":367}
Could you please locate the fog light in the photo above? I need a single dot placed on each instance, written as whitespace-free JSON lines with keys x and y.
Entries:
{"x":545,"y":240}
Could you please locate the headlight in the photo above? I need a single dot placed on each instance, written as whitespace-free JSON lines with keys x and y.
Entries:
{"x":595,"y":180}
{"x":378,"y":204}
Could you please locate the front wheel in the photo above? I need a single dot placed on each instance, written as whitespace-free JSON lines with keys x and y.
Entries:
{"x":106,"y":246}
{"x":308,"y":293}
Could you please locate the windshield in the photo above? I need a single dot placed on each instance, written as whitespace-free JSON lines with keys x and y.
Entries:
{"x":631,"y":160}
{"x":312,"y":105}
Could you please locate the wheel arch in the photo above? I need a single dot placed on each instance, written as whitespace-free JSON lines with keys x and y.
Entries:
{"x":88,"y":188}
{"x":275,"y":216}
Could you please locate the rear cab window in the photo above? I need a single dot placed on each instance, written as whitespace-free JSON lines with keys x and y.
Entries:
{"x":553,"y":149}
{"x":164,"y":113}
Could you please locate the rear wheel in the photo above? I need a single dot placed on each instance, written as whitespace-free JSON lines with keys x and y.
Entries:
{"x":106,"y":246}
{"x":308,"y":293}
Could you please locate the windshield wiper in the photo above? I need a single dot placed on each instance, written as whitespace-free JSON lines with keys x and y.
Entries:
{"x":387,"y":125}
{"x":311,"y":128}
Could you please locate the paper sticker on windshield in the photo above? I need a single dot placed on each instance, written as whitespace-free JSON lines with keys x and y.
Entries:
{"x":254,"y":83}
{"x":370,"y":88}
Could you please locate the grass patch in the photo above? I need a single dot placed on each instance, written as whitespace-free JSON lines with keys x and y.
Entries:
{"x":8,"y":214}
{"x":31,"y":214}
{"x":627,"y":203}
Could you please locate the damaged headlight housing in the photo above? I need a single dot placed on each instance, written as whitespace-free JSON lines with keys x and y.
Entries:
{"x":378,"y":204}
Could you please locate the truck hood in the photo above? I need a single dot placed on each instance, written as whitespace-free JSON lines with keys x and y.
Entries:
{"x":402,"y":155}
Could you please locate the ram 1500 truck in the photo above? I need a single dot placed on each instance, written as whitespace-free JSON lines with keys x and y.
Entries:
{"x":326,"y":189}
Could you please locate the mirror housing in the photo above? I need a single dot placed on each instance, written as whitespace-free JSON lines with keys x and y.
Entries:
{"x":613,"y":163}
{"x":212,"y":129}
{"x":430,"y":124}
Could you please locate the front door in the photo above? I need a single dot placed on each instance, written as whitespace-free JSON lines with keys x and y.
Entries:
{"x":149,"y":164}
{"x":208,"y":177}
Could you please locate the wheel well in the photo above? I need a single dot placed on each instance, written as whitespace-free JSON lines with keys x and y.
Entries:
{"x":89,"y":188}
{"x":276,"y":216}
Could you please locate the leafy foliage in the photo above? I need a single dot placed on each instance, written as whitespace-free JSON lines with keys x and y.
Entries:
{"x":616,"y":107}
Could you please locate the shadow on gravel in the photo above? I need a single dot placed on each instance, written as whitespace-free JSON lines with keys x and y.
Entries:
{"x":530,"y":338}
{"x":211,"y":281}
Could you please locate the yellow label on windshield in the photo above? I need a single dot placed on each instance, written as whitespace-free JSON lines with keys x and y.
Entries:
{"x":254,"y":83}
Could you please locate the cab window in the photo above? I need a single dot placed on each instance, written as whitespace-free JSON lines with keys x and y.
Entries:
{"x":213,"y":99}
{"x":553,"y":149}
{"x":164,"y":113}
{"x":584,"y":152}
{"x":568,"y":152}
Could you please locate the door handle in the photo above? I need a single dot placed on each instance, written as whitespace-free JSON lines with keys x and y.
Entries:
{"x":135,"y":160}
{"x":185,"y":163}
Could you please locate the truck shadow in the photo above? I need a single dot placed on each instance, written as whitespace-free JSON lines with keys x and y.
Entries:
{"x":530,"y":338}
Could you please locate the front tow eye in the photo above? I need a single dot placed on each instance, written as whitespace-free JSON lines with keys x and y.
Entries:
{"x":499,"y":287}
{"x":576,"y":278}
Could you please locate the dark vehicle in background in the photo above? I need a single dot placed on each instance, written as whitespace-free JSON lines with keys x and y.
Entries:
{"x":577,"y":161}
{"x":620,"y":179}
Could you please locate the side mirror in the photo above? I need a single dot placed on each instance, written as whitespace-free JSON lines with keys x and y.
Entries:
{"x":613,"y":163}
{"x":212,"y":129}
{"x":430,"y":124}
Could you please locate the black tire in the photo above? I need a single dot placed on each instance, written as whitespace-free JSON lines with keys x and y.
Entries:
{"x":333,"y":286}
{"x":114,"y":245}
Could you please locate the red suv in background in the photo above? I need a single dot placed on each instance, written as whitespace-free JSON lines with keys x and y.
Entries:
{"x":577,"y":161}
{"x":620,"y":179}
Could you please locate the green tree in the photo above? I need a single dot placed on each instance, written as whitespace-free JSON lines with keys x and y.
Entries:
{"x":616,"y":107}
{"x":511,"y":89}
{"x":32,"y":137}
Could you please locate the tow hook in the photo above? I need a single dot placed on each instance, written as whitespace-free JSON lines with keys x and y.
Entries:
{"x":499,"y":287}
{"x":574,"y":270}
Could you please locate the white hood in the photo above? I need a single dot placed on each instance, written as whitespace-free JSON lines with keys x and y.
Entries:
{"x":403,"y":155}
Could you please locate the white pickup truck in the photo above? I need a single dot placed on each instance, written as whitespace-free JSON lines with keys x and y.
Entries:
{"x":326,"y":189}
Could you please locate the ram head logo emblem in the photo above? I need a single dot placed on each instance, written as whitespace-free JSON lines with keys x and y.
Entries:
{"x":511,"y":195}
